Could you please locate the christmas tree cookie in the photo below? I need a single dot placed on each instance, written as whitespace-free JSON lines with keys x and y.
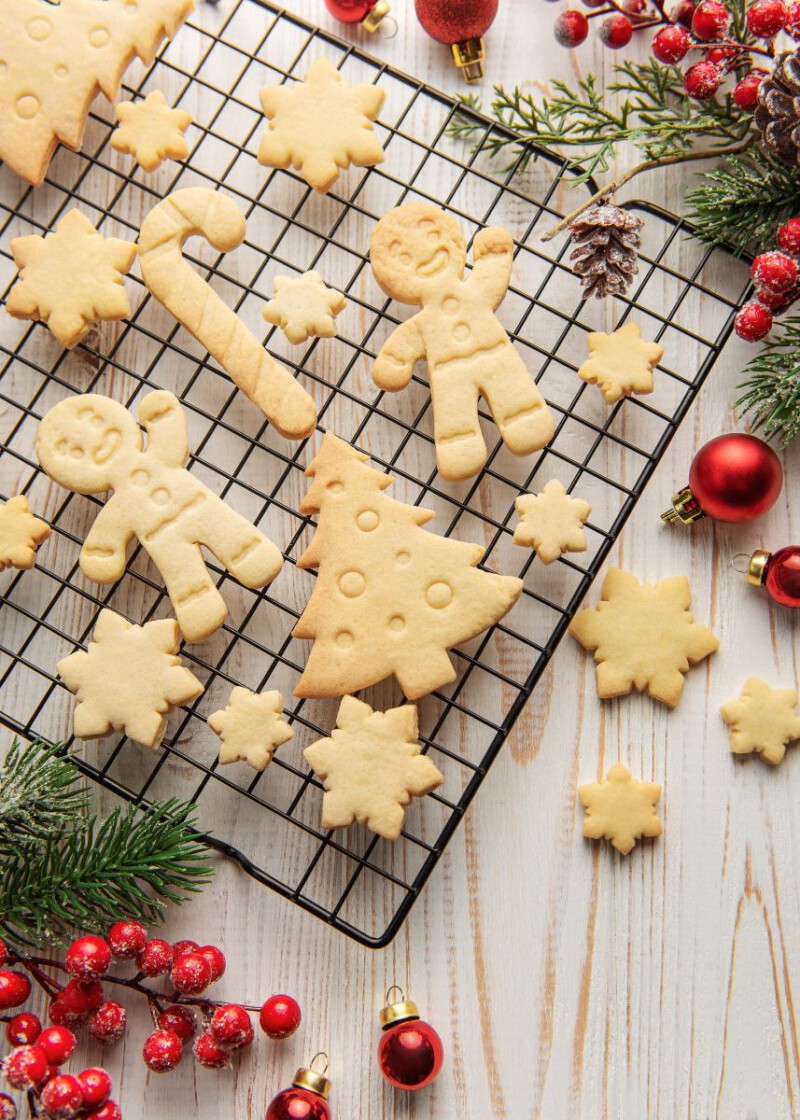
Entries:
{"x":371,"y":767}
{"x":390,"y":598}
{"x":20,"y":534}
{"x":251,"y":727}
{"x":620,"y":809}
{"x":763,"y":720}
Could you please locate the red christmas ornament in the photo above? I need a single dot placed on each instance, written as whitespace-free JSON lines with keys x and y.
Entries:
{"x":779,"y":572}
{"x":732,"y":478}
{"x":461,"y":25}
{"x":306,"y":1100}
{"x":368,"y":13}
{"x":410,"y":1052}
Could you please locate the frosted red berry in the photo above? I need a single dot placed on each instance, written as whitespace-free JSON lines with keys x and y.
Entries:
{"x":180,"y":1020}
{"x":209,"y":1054}
{"x":635,"y":7}
{"x":3,"y":953}
{"x":88,"y":958}
{"x":15,"y":987}
{"x":792,"y":21}
{"x":108,"y":1111}
{"x":682,"y":13}
{"x":616,"y":31}
{"x":711,"y":20}
{"x":57,"y":1044}
{"x":108,"y":1023}
{"x":23,"y":1029}
{"x":773,"y":272}
{"x":181,"y":947}
{"x":745,"y":93}
{"x":216,"y":960}
{"x":95,"y":1085}
{"x":162,"y":1051}
{"x":775,"y":301}
{"x":8,"y":1110}
{"x":724,"y":57}
{"x":753,"y":322}
{"x":82,"y":997}
{"x":156,"y":958}
{"x":571,"y":28}
{"x":127,"y":939}
{"x":593,"y":3}
{"x":191,"y":974}
{"x":670,"y":44}
{"x":25,"y":1067}
{"x":280,"y":1016}
{"x":702,"y":80}
{"x":62,"y":1097}
{"x":231,"y":1027}
{"x":789,"y":236}
{"x":765,"y":18}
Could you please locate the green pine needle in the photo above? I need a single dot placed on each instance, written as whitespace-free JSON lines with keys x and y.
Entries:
{"x":40,"y":796}
{"x":772,"y":390}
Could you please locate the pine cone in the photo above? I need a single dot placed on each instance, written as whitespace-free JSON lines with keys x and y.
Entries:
{"x":606,"y":240}
{"x":777,"y":115}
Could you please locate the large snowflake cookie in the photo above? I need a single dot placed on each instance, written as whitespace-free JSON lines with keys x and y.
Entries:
{"x":620,"y":809}
{"x":55,"y":57}
{"x":643,"y":636}
{"x":371,"y":767}
{"x":303,"y":306}
{"x":128,"y":679}
{"x":763,"y":720}
{"x":621,"y":363}
{"x":151,"y":131}
{"x":551,"y":522}
{"x":251,"y":727}
{"x":71,"y":278}
{"x":20,"y":534}
{"x":321,"y":125}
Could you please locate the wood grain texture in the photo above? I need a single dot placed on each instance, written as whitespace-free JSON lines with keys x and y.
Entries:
{"x":566,"y":981}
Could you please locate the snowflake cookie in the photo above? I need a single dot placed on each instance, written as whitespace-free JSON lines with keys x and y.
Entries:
{"x":551,"y":522}
{"x":620,"y":809}
{"x":128,"y":679}
{"x":20,"y":534}
{"x":371,"y":767}
{"x":320,"y":125}
{"x":151,"y":131}
{"x":621,"y":363}
{"x":643,"y":636}
{"x":763,"y":720}
{"x":251,"y":727}
{"x":304,"y":305}
{"x":71,"y":278}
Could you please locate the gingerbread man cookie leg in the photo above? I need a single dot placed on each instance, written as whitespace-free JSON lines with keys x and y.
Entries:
{"x":198,"y":605}
{"x":460,"y":446}
{"x":198,"y":211}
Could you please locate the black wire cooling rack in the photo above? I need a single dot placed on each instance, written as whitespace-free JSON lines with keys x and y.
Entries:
{"x":684,"y":296}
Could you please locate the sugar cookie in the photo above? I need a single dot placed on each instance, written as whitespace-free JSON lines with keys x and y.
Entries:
{"x":151,"y":131}
{"x":621,"y":363}
{"x":643,"y":636}
{"x":128,"y":679}
{"x":763,"y":720}
{"x":55,"y":59}
{"x":20,"y":534}
{"x":91,"y":443}
{"x":620,"y":809}
{"x":418,"y":255}
{"x":390,"y":598}
{"x":304,"y":305}
{"x":321,"y":125}
{"x":251,"y":726}
{"x":198,"y":211}
{"x":551,"y":522}
{"x":371,"y":767}
{"x":71,"y":278}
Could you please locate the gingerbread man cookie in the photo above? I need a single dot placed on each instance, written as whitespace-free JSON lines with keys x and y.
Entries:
{"x":418,"y":254}
{"x":151,"y":131}
{"x":90,"y":444}
{"x":20,"y":534}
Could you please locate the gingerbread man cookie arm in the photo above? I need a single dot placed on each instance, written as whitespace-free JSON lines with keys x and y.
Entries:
{"x":164,"y":421}
{"x":395,"y":362}
{"x":103,"y":553}
{"x":493,"y":254}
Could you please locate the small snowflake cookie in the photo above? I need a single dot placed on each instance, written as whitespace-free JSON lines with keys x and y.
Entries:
{"x":303,"y":306}
{"x":551,"y":522}
{"x":128,"y":679}
{"x":620,"y":809}
{"x":151,"y":131}
{"x":20,"y":534}
{"x":71,"y":278}
{"x":321,"y":125}
{"x":763,"y":720}
{"x":371,"y":767}
{"x":621,"y":363}
{"x":251,"y":727}
{"x":643,"y":636}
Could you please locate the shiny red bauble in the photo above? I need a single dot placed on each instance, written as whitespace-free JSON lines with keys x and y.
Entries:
{"x":307,"y":1099}
{"x":452,"y":21}
{"x":733,"y":478}
{"x":352,"y":11}
{"x":280,"y":1017}
{"x":410,"y":1052}
{"x":779,"y":572}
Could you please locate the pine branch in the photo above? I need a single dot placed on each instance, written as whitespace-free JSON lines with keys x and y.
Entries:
{"x":772,"y":390}
{"x":40,"y":797}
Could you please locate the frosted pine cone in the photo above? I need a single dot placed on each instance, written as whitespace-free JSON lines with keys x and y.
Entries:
{"x":606,"y":240}
{"x":777,"y":115}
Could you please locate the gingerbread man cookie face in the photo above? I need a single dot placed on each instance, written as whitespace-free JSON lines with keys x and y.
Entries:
{"x":94,"y":447}
{"x":415,"y":245}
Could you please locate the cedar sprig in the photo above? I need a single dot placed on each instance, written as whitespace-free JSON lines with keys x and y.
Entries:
{"x":772,"y":389}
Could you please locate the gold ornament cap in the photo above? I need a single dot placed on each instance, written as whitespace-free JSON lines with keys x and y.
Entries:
{"x":373,"y":17}
{"x":399,"y":1012}
{"x":757,"y":568}
{"x":308,"y":1078}
{"x":684,"y":508}
{"x":468,"y":56}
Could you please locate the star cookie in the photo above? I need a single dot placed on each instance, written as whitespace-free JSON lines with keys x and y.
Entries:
{"x":371,"y":767}
{"x":251,"y":727}
{"x":643,"y":636}
{"x":128,"y":679}
{"x":621,"y":363}
{"x":304,"y":306}
{"x":620,"y":809}
{"x":321,"y":125}
{"x":551,"y":522}
{"x":763,"y":720}
{"x":20,"y":534}
{"x":151,"y":131}
{"x":71,"y":278}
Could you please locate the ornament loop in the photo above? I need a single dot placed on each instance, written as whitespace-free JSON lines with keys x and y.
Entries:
{"x":320,"y":1054}
{"x":395,"y":988}
{"x":741,"y":563}
{"x":387,"y":28}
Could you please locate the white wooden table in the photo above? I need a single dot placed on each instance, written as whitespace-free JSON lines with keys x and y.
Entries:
{"x":566,"y":982}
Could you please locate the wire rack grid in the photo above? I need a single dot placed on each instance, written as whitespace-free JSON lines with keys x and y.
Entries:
{"x":684,"y":296}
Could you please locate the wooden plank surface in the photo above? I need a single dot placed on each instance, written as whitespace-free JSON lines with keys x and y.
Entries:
{"x":566,"y":982}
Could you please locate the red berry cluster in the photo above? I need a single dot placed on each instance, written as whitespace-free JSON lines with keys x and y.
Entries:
{"x":776,"y":279}
{"x":34,"y":1065}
